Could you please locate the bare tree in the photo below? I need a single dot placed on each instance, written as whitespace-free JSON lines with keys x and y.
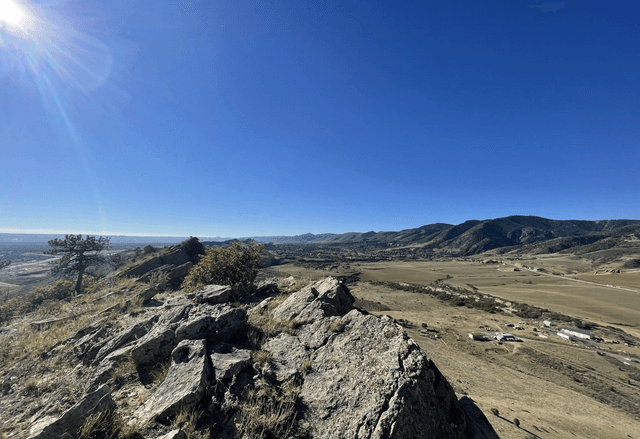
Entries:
{"x":4,"y":263}
{"x":78,"y":255}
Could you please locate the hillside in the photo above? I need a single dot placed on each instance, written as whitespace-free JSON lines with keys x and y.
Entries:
{"x":134,"y":358}
{"x":478,"y":236}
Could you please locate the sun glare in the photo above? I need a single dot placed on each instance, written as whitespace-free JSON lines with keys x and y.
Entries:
{"x":10,"y":13}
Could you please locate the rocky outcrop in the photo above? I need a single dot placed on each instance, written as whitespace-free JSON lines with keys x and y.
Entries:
{"x":364,"y":377}
{"x":309,"y":365}
{"x":324,"y":298}
{"x":119,"y":340}
{"x":158,"y":343}
{"x":213,"y":323}
{"x":228,"y":365}
{"x":212,"y":294}
{"x":104,"y":370}
{"x":71,"y":420}
{"x":175,"y":262}
{"x":185,"y":384}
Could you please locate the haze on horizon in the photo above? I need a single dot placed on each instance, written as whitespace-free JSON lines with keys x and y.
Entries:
{"x":240,"y":118}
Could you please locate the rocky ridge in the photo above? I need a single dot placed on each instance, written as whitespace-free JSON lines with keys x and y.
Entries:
{"x":306,"y":365}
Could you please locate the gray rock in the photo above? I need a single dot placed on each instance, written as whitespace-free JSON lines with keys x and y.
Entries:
{"x":174,"y":434}
{"x":324,"y":298}
{"x":288,"y":355}
{"x":334,"y":297}
{"x":73,"y":419}
{"x":227,"y":365}
{"x":158,"y":343}
{"x":185,"y":384}
{"x":118,"y":340}
{"x":162,"y":269}
{"x":181,"y":270}
{"x":213,"y":323}
{"x":104,"y":371}
{"x":6,"y":331}
{"x":143,"y":268}
{"x":294,"y":305}
{"x":148,"y":293}
{"x":176,"y":258}
{"x":369,"y":380}
{"x":154,"y":347}
{"x":268,"y":287}
{"x":88,"y":329}
{"x":84,"y":344}
{"x":212,"y":294}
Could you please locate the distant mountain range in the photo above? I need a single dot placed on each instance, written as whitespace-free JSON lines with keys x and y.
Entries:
{"x":477,"y":236}
{"x":513,"y":233}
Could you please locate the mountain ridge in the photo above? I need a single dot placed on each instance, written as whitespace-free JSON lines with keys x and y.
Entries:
{"x":478,"y":236}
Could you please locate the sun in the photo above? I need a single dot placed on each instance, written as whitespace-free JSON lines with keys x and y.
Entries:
{"x":10,"y":13}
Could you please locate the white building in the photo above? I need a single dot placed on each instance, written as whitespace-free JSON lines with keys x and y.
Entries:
{"x":506,"y":337}
{"x":578,"y":333}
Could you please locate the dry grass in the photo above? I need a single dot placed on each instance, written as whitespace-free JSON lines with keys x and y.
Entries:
{"x":98,"y":424}
{"x":262,"y":357}
{"x":268,"y":411}
{"x":159,"y":374}
{"x":337,"y":325}
{"x":306,"y":366}
{"x":124,"y":369}
{"x":109,"y":424}
{"x":276,"y":301}
{"x":187,"y":421}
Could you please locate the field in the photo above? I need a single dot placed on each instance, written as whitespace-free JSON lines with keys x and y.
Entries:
{"x":555,"y":388}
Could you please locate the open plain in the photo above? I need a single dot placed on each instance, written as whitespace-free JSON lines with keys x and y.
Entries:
{"x":541,"y":386}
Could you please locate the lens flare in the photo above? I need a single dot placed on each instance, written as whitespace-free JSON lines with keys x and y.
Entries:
{"x":40,"y":46}
{"x":10,"y":13}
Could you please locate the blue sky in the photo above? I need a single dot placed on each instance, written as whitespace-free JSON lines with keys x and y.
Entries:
{"x":240,"y":118}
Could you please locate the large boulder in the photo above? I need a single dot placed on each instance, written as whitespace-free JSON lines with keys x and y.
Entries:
{"x":359,"y":375}
{"x":212,"y":294}
{"x":214,"y":323}
{"x":185,"y":384}
{"x":370,"y":380}
{"x":226,"y":365}
{"x":144,"y":267}
{"x":73,"y":419}
{"x":366,"y":379}
{"x":328,"y":297}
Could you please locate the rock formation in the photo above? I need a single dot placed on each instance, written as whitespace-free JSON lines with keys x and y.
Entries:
{"x":306,"y":365}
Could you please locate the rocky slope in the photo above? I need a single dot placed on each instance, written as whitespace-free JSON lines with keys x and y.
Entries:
{"x":306,"y":365}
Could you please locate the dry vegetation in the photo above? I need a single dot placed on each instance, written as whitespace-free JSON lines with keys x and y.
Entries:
{"x":38,"y":367}
{"x":268,"y":411}
{"x":236,"y":265}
